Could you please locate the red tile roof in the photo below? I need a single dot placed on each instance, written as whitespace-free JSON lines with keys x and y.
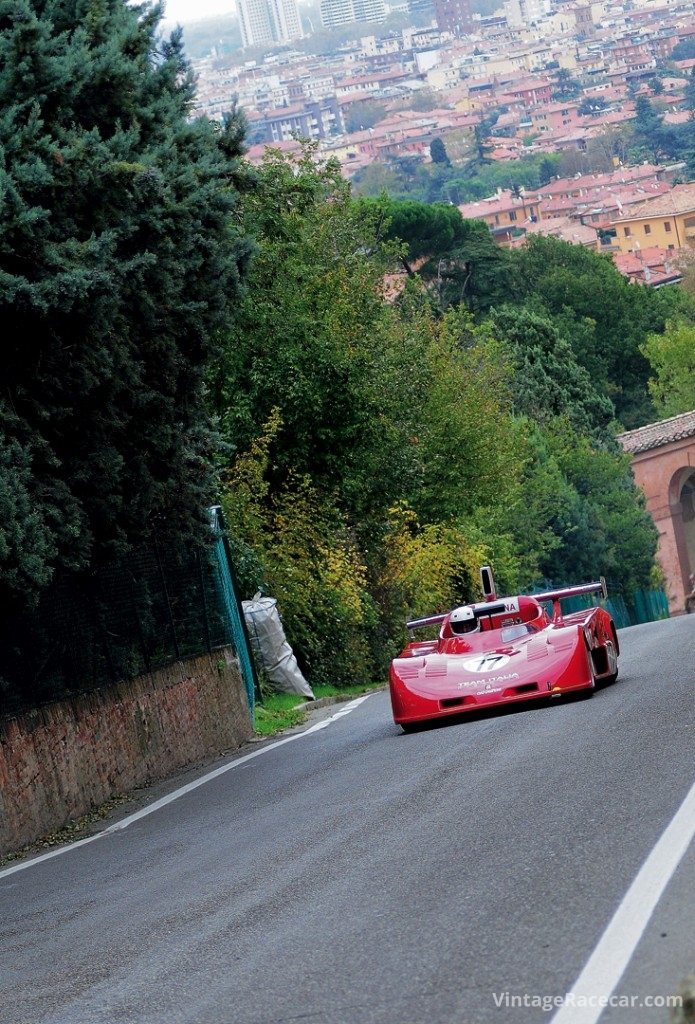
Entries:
{"x":680,"y":199}
{"x":654,"y":435}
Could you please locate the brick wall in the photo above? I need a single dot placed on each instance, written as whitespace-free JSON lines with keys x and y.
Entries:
{"x":59,"y":761}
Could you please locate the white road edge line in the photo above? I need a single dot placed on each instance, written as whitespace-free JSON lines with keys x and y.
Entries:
{"x":606,"y":965}
{"x":118,"y":826}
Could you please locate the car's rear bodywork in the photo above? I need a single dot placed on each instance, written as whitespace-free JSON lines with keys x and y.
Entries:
{"x":516,"y":652}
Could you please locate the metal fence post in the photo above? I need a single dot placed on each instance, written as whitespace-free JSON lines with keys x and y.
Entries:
{"x":235,"y":613}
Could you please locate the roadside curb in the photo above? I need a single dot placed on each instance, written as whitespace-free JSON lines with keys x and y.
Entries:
{"x":339,"y":698}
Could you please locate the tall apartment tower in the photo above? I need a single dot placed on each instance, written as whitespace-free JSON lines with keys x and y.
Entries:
{"x":454,"y":16}
{"x":370,"y":10}
{"x":344,"y":12}
{"x":522,"y":13}
{"x":286,"y":20}
{"x":264,"y":22}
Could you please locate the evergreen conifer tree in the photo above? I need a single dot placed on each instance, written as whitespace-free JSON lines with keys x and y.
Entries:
{"x":118,"y":262}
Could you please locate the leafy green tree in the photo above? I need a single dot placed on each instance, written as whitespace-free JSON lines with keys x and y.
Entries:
{"x":471,"y":449}
{"x":591,"y":106}
{"x":548,"y":381}
{"x":689,"y":91}
{"x":435,"y":183}
{"x":546,"y":171}
{"x":438,"y":152}
{"x":305,"y":334}
{"x":375,"y":179}
{"x":603,"y":316}
{"x":481,"y":134}
{"x":622,"y":536}
{"x":365,"y":114}
{"x":685,"y":50}
{"x":565,"y":87}
{"x":648,"y":128}
{"x":690,"y":162}
{"x":464,"y":265}
{"x":118,"y":262}
{"x":424,"y":101}
{"x":429,"y":229}
{"x":672,"y":357}
{"x":407,"y":167}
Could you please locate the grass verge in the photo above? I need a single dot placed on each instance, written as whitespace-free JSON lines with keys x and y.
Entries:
{"x":278,"y":711}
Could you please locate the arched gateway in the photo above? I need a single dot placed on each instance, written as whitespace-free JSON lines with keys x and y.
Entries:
{"x":663,"y":461}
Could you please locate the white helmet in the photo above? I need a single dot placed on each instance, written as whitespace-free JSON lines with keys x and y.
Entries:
{"x":463,"y":620}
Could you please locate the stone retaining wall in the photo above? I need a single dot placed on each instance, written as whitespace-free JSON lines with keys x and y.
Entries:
{"x":59,"y":761}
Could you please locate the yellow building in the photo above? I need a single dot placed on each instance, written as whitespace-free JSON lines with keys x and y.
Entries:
{"x":667,"y":221}
{"x":506,"y":215}
{"x":502,"y":210}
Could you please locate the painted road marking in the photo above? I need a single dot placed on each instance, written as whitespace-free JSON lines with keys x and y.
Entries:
{"x":176,"y":794}
{"x":606,"y":965}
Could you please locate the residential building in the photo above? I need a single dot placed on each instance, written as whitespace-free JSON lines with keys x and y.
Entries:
{"x":287,"y":23}
{"x":255,"y":21}
{"x":335,"y":13}
{"x":651,"y":266}
{"x":370,"y":10}
{"x":505,"y":214}
{"x":667,"y":221}
{"x":521,"y":13}
{"x":585,"y":27}
{"x":454,"y":16}
{"x":555,"y":115}
{"x":264,"y":22}
{"x":311,"y":120}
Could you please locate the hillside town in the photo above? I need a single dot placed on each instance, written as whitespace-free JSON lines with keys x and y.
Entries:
{"x":538,"y":79}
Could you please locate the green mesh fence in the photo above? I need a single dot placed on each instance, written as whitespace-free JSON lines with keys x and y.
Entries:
{"x":156,"y":606}
{"x":650,"y":605}
{"x":643,"y":606}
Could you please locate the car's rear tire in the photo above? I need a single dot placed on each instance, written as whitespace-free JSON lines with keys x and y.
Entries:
{"x":589,"y":691}
{"x":609,"y":680}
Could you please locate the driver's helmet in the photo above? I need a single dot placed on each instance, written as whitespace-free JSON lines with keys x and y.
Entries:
{"x":463,"y":620}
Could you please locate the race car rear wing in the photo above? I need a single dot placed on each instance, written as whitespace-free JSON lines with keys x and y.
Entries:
{"x":498,"y":606}
{"x":599,"y":587}
{"x":583,"y":588}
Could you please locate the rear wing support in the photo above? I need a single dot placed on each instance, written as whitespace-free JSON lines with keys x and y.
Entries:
{"x":598,"y":587}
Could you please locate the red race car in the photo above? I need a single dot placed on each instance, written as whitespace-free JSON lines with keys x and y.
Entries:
{"x":500,"y":651}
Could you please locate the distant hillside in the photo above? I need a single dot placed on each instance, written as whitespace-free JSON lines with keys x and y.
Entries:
{"x":221,"y":34}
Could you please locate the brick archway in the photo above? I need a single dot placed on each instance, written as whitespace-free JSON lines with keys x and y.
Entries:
{"x":663,"y":461}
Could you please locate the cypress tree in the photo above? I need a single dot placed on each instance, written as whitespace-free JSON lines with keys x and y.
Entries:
{"x":119,"y":262}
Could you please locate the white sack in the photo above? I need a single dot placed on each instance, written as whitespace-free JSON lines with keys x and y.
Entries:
{"x":270,"y":645}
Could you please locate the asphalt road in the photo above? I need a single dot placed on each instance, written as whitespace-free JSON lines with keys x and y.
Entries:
{"x":362,"y":876}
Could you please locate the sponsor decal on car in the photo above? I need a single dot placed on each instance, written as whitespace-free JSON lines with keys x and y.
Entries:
{"x":487,"y":683}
